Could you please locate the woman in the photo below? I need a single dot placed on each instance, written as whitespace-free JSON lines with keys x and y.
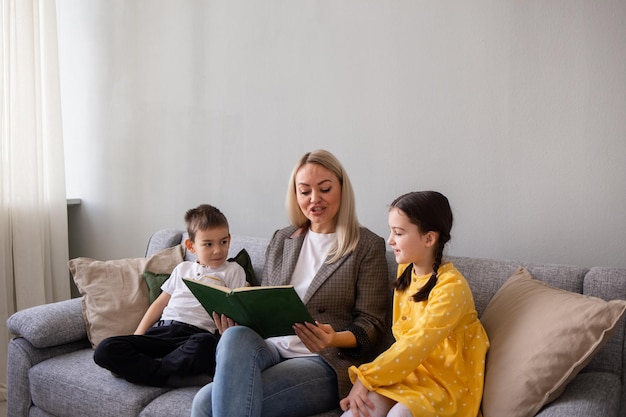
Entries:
{"x":339,"y":270}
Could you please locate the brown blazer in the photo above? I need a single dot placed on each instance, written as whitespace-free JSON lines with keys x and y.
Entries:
{"x":349,"y":294}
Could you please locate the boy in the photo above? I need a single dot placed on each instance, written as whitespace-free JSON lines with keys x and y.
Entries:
{"x":177,"y":337}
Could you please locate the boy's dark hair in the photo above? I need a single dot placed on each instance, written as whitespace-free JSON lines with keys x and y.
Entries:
{"x":204,"y":217}
{"x":431,"y":212}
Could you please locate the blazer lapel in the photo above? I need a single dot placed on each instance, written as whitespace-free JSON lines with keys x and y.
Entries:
{"x":291,"y":250}
{"x":325,"y":271}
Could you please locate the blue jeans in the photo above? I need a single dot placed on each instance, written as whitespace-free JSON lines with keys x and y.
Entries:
{"x":252,"y":380}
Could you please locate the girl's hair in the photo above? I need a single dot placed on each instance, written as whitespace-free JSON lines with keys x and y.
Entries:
{"x":204,"y":217}
{"x":348,"y":227}
{"x":431,"y":212}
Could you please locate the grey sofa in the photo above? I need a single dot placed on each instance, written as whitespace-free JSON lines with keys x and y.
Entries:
{"x":51,"y":371}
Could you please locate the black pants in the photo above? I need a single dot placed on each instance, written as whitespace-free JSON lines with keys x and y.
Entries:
{"x":150,"y":359}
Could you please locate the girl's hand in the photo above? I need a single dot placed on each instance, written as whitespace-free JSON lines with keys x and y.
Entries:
{"x":223,"y":322}
{"x":357,"y":401}
{"x":316,"y":336}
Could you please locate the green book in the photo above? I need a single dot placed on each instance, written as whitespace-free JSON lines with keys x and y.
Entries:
{"x":270,"y":311}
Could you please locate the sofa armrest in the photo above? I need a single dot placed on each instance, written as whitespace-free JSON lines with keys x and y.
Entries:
{"x":50,"y":324}
{"x":22,"y":356}
{"x":41,"y":332}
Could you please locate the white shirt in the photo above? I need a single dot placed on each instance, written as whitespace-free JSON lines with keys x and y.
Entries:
{"x":312,"y":256}
{"x":183,"y":305}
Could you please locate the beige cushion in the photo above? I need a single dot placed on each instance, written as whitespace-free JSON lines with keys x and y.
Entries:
{"x":165,"y":261}
{"x":115,"y":295}
{"x":541,"y":337}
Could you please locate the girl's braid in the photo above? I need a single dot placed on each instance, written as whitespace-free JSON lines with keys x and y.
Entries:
{"x":424,"y":292}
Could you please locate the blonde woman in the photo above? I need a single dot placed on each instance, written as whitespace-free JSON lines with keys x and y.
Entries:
{"x":339,"y":270}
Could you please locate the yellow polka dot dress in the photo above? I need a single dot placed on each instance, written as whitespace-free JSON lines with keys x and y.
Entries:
{"x":436,"y":365}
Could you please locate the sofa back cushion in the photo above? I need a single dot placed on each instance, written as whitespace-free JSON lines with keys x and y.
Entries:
{"x":486,"y":276}
{"x":608,"y":284}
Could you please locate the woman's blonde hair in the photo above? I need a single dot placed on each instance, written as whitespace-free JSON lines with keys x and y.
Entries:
{"x":348,"y":227}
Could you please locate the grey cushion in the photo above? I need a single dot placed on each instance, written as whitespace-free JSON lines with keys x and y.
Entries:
{"x":91,"y":390}
{"x":173,"y":403}
{"x":485,"y":276}
{"x":589,"y":394}
{"x":161,"y":239}
{"x":608,"y":283}
{"x":23,"y":356}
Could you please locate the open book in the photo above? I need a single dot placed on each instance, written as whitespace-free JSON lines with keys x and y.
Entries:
{"x":270,"y":311}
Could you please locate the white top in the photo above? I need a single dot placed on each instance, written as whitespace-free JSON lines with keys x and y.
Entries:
{"x":183,"y":305}
{"x":312,"y":255}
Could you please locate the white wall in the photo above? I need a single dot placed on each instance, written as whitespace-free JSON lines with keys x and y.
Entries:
{"x":516,"y":110}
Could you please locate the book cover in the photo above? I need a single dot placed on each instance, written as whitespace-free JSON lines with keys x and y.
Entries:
{"x":270,"y":311}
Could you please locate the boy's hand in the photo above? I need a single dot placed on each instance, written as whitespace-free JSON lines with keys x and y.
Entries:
{"x":223,"y":322}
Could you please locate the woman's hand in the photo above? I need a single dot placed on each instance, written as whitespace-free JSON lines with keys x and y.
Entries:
{"x":316,"y":336}
{"x":223,"y":322}
{"x":357,"y":401}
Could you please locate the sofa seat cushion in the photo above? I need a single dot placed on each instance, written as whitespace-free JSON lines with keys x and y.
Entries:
{"x":178,"y":403}
{"x":72,"y":385}
{"x":173,"y":403}
{"x":589,"y":394}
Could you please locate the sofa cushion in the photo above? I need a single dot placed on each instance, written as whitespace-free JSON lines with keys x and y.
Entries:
{"x":172,"y":403}
{"x":115,"y":296}
{"x":541,"y":337}
{"x":243,"y":259}
{"x":178,"y":403}
{"x":158,"y":269}
{"x":72,"y":385}
{"x":608,"y":283}
{"x":155,"y":282}
{"x":486,"y":276}
{"x":589,"y":394}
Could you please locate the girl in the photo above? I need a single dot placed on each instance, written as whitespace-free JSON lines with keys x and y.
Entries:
{"x":436,"y":365}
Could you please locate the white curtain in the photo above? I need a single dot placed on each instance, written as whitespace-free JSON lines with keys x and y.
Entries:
{"x":33,"y":208}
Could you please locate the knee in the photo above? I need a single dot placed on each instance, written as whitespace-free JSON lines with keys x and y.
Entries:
{"x":238,"y":336}
{"x":109,"y":350}
{"x":399,"y":410}
{"x":236,"y":333}
{"x":236,"y":342}
{"x":102,"y":353}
